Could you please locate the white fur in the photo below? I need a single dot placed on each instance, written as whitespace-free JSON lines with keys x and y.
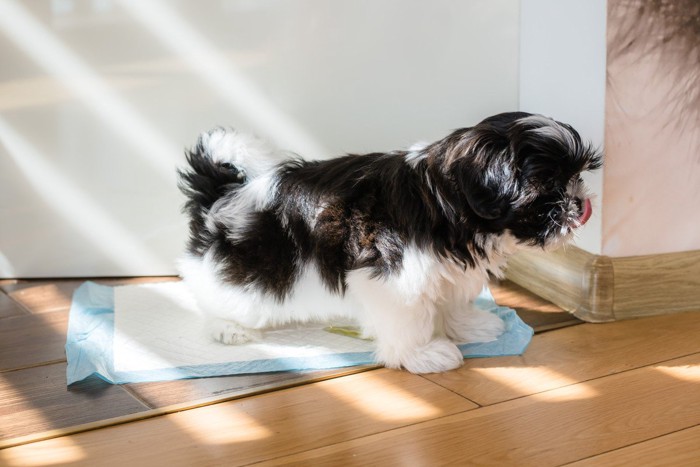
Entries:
{"x":251,"y":307}
{"x":242,"y":150}
{"x":575,"y":189}
{"x":416,"y":316}
{"x":546,"y":127}
{"x":235,"y":210}
{"x":257,"y":161}
{"x":416,"y":154}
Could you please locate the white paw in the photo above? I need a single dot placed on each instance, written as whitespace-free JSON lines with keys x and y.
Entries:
{"x":436,"y":356}
{"x":475,"y":326}
{"x":230,"y":332}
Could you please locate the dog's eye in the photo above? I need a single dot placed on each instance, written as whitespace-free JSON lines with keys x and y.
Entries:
{"x":550,"y":184}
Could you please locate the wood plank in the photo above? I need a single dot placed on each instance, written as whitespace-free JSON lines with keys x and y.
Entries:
{"x":537,"y":312}
{"x":167,"y":393}
{"x":553,"y":428}
{"x":653,"y":284}
{"x":36,"y":399}
{"x":170,"y":409}
{"x":508,"y":293}
{"x":679,"y":448}
{"x":259,"y":428}
{"x":575,"y":354}
{"x":44,"y":296}
{"x":570,"y":277}
{"x":9,"y":307}
{"x":32,"y":339}
{"x":600,"y":288}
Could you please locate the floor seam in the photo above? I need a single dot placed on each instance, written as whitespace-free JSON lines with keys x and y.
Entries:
{"x":33,"y":365}
{"x":19,"y":304}
{"x":649,"y":365}
{"x":389,"y":430}
{"x":136,"y":397}
{"x":632,"y":444}
{"x":452,"y":391}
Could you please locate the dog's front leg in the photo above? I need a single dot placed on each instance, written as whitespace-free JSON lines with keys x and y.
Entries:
{"x":404,"y":329}
{"x":463,"y":322}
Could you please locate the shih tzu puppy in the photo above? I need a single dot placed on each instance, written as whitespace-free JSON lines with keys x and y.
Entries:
{"x":401,"y":241}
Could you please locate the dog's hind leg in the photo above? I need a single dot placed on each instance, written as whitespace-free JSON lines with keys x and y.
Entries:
{"x":229,"y":314}
{"x":230,"y":332}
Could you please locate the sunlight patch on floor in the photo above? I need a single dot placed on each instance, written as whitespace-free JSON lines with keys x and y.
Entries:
{"x":381,"y":400}
{"x":690,"y":373}
{"x":55,"y":451}
{"x":220,"y":424}
{"x":569,"y":393}
{"x":540,"y":382}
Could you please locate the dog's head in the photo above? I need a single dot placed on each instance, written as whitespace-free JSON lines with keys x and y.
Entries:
{"x":522,"y":173}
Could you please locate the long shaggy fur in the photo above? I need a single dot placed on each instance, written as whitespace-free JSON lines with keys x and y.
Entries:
{"x":400,"y":241}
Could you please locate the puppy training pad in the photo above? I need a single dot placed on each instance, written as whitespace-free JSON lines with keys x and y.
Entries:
{"x":152,"y":332}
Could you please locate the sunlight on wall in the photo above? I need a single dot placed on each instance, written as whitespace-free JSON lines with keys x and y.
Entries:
{"x":241,"y":93}
{"x":542,"y":383}
{"x":55,"y":451}
{"x":689,"y":373}
{"x":220,"y":424}
{"x":76,"y":207}
{"x":6,"y":268}
{"x":381,"y":401}
{"x":52,"y":55}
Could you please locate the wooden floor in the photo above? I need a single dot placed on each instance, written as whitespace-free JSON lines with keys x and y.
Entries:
{"x":621,"y":393}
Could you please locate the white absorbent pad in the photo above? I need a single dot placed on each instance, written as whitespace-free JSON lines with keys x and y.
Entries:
{"x":153,"y":332}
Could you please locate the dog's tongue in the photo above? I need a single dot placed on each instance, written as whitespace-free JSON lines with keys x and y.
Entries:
{"x":587,"y":211}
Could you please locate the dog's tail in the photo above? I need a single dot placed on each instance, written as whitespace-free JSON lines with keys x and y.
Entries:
{"x":220,"y":160}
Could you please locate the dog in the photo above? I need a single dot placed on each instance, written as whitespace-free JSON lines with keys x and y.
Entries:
{"x":401,"y":242}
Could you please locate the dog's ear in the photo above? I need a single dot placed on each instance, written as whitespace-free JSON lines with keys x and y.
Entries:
{"x":481,"y":162}
{"x":484,"y":190}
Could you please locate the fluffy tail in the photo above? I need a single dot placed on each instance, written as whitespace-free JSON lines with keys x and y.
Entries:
{"x":220,"y":160}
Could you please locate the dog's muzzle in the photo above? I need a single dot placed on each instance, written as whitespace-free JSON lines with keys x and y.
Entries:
{"x":585,"y":211}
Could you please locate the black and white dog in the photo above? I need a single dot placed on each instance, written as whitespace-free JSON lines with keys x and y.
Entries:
{"x":399,"y":241}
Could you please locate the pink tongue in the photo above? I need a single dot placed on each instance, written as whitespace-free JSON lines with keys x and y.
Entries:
{"x":587,"y":211}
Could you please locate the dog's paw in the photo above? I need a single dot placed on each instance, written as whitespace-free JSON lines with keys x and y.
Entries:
{"x":436,"y":356}
{"x":475,"y":326}
{"x":230,"y":332}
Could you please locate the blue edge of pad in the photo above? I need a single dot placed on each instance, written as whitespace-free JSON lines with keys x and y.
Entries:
{"x":89,"y":345}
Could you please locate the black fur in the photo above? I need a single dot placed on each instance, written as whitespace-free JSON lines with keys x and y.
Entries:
{"x":361,"y":211}
{"x":203,"y":184}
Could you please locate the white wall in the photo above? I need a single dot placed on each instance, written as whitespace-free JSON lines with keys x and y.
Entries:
{"x":98,"y":98}
{"x":562,"y":75}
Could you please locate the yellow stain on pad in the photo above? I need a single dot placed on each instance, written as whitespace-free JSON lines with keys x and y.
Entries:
{"x":347,"y":331}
